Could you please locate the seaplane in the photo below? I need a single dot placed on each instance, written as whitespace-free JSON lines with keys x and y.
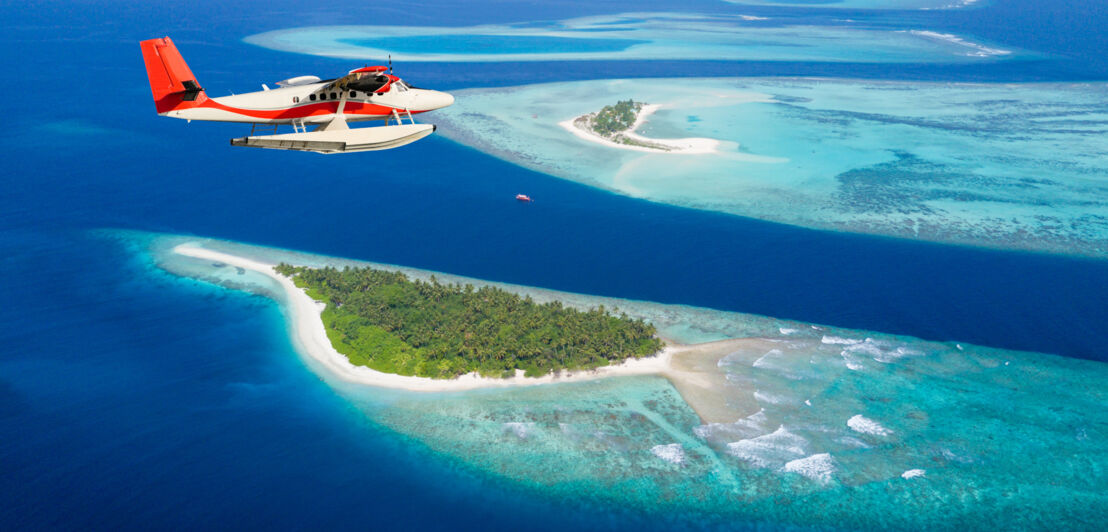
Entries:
{"x":371,"y":93}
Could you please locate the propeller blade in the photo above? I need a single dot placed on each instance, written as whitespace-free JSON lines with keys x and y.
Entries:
{"x":342,"y":82}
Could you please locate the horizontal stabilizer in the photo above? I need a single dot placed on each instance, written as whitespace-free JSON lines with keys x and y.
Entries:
{"x":341,"y":140}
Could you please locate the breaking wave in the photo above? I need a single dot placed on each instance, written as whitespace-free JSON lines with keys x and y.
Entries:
{"x":839,"y":340}
{"x":865,"y":425}
{"x":766,"y":360}
{"x":769,"y":450}
{"x":976,"y":50}
{"x":913,"y":473}
{"x":855,"y":350}
{"x":818,"y":467}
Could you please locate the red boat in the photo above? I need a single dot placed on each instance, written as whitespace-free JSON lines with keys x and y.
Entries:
{"x":524,"y":198}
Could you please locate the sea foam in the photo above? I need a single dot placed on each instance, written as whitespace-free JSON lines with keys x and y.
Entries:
{"x":672,"y":453}
{"x":818,"y":467}
{"x":839,"y":340}
{"x":913,"y":473}
{"x":854,"y":351}
{"x":976,"y":50}
{"x":865,"y":425}
{"x":769,"y":450}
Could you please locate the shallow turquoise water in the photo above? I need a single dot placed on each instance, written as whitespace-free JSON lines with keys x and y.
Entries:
{"x":492,"y":44}
{"x":832,"y":428}
{"x":1016,"y":166}
{"x":633,"y":36}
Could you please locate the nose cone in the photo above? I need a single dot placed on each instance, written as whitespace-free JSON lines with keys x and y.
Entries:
{"x":431,"y":100}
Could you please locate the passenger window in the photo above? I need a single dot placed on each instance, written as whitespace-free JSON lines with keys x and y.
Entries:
{"x":323,"y":96}
{"x":334,"y":96}
{"x":353,"y":94}
{"x":295,"y":99}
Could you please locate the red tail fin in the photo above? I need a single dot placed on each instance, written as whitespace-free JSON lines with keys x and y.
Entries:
{"x":171,"y":81}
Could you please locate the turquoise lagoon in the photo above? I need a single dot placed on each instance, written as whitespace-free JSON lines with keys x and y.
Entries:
{"x":1018,"y":166}
{"x":828,"y":427}
{"x":631,"y":36}
{"x":864,"y":4}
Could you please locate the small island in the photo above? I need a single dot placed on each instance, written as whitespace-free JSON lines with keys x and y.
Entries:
{"x":615,"y":125}
{"x":387,"y":322}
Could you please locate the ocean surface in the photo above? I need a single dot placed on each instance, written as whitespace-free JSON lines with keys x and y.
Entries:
{"x":131,"y":397}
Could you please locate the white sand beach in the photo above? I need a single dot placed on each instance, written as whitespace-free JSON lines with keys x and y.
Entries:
{"x":686,"y":146}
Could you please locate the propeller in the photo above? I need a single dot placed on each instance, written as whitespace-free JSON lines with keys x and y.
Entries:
{"x":343,"y":82}
{"x":363,"y":79}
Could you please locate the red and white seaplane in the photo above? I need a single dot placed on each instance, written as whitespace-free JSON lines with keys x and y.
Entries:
{"x":370,"y":93}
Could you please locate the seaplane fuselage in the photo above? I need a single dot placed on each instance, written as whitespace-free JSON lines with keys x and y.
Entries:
{"x":313,"y":103}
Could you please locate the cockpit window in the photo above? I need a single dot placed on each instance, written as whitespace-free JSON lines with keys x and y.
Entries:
{"x":367,"y":83}
{"x":400,"y":85}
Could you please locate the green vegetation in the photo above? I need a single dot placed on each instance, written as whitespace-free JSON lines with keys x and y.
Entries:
{"x":393,"y":324}
{"x":613,"y":119}
{"x":614,"y":122}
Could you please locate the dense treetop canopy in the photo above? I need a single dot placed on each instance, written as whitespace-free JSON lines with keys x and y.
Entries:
{"x":616,"y":118}
{"x":393,"y":324}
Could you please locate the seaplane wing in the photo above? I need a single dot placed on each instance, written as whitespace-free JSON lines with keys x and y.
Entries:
{"x":298,"y":80}
{"x":318,"y":111}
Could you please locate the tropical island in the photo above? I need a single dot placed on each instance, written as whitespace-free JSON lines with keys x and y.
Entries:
{"x":389,"y":323}
{"x":613,"y":119}
{"x":615,"y":125}
{"x":590,"y":344}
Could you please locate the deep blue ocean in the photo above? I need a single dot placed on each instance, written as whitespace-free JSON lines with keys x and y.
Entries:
{"x":130,"y":398}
